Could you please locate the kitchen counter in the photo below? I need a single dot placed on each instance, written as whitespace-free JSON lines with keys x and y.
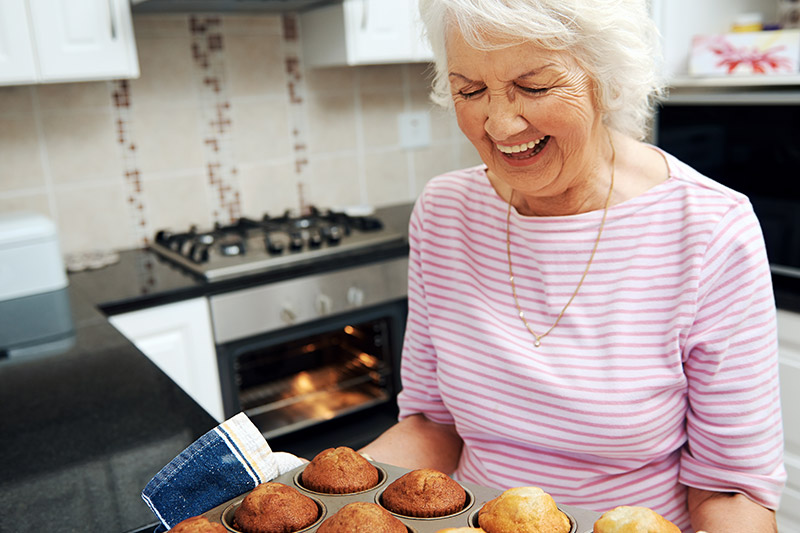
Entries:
{"x":87,"y":419}
{"x":84,"y":427}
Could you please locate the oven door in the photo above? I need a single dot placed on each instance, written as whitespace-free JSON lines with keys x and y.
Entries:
{"x":305,"y":375}
{"x":300,"y":353}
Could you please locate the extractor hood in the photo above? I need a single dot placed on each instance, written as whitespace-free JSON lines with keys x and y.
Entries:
{"x":226,"y":6}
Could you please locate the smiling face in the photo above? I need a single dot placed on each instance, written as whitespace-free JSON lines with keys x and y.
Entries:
{"x":531,"y":115}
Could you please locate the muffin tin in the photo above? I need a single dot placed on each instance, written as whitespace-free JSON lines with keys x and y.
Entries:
{"x":582,"y":519}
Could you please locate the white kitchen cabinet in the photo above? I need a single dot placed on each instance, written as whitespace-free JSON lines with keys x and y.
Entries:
{"x":680,"y":20}
{"x":789,"y":358}
{"x":363,"y":32}
{"x":49,"y":41}
{"x":17,"y":61}
{"x":177,"y":337}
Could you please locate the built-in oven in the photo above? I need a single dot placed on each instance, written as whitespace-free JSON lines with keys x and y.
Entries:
{"x":746,"y":139}
{"x":297,"y":353}
{"x":308,"y":314}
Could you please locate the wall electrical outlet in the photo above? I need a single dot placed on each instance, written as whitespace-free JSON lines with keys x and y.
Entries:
{"x":414,"y":129}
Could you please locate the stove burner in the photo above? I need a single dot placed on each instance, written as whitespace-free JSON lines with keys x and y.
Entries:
{"x":248,"y":245}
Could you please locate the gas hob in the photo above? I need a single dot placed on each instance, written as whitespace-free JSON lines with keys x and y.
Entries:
{"x":249,"y":246}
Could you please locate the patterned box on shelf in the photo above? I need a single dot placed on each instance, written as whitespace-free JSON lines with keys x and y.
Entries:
{"x":747,"y":53}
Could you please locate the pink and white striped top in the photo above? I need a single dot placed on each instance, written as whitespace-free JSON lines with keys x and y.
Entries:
{"x":662,"y":373}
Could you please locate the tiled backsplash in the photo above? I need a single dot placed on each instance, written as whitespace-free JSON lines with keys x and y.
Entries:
{"x":224,"y":121}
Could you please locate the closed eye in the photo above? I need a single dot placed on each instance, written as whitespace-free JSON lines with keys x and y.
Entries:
{"x":534,"y":90}
{"x":471,"y":94}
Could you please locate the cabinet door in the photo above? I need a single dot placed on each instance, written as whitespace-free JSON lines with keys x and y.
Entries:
{"x":84,"y":39}
{"x":177,"y":338}
{"x":378,"y":31}
{"x":17,"y":61}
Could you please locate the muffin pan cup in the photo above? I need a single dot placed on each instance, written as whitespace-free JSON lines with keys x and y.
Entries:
{"x":582,"y":519}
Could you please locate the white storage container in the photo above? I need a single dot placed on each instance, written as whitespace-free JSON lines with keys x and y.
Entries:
{"x":30,"y":256}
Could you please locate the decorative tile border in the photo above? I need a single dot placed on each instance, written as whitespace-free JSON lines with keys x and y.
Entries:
{"x":296,"y":91}
{"x":121,"y":107}
{"x":207,"y":53}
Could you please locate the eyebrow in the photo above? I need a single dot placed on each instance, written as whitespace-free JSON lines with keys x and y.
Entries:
{"x":528,"y":74}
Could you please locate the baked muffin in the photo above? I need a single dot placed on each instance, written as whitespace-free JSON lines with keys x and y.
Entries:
{"x":362,"y":517}
{"x":631,"y":519}
{"x":275,"y":508}
{"x":523,"y":510}
{"x":198,"y":524}
{"x":461,"y":530}
{"x":339,"y":470}
{"x":424,"y":493}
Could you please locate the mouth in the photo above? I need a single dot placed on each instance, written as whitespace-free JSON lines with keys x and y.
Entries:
{"x":524,"y":150}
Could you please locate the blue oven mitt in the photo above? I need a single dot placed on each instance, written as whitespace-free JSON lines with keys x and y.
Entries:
{"x":229,"y":460}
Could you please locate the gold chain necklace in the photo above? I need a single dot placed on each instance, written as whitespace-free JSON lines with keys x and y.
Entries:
{"x":538,"y":338}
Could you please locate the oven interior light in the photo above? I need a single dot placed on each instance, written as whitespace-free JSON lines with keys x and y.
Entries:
{"x":369,"y":361}
{"x":303,"y":383}
{"x":349,"y":330}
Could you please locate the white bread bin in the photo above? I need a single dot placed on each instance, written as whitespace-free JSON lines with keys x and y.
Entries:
{"x":30,"y":257}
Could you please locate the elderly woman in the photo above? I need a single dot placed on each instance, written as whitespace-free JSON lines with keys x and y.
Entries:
{"x":587,"y":314}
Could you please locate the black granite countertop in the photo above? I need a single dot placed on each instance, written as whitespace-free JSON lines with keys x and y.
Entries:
{"x":86,"y":419}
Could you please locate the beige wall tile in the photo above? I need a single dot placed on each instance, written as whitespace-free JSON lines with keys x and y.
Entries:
{"x":167,"y":138}
{"x":466,"y":154}
{"x":333,"y":182}
{"x":81,"y":146}
{"x":93,"y":217}
{"x":379,"y":112}
{"x":20,"y":160}
{"x":420,"y":75}
{"x":268,"y":189}
{"x":386,"y":77}
{"x":167,"y":69}
{"x":36,"y":202}
{"x":160,"y":24}
{"x":330,"y":80}
{"x":260,"y":130}
{"x":254,"y":64}
{"x":331,"y":123}
{"x":387,"y":178}
{"x":17,"y":100}
{"x":261,"y":24}
{"x":443,"y":121}
{"x":176,"y":202}
{"x":60,"y":96}
{"x":432,"y":161}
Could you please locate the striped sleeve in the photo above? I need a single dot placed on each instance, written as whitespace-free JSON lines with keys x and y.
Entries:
{"x":735,"y":440}
{"x":420,"y":392}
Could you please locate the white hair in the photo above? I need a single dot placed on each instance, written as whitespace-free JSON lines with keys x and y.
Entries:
{"x":615,"y":41}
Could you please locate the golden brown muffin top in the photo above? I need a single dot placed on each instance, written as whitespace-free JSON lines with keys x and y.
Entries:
{"x":424,"y":492}
{"x":523,"y":510}
{"x":632,"y":519}
{"x":339,"y":471}
{"x":198,"y":524}
{"x":275,"y":508}
{"x":362,"y":517}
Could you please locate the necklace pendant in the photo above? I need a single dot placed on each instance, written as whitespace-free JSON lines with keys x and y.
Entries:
{"x":537,"y":343}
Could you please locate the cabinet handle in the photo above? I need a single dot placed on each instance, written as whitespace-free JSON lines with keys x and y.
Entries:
{"x":112,"y":20}
{"x":364,"y":14}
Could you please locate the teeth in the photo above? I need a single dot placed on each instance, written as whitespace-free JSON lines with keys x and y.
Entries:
{"x":517,"y":148}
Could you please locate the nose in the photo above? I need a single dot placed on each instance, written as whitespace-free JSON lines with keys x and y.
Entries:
{"x":504,"y":117}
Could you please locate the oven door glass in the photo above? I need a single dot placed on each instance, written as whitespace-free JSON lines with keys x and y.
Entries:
{"x":290,"y":384}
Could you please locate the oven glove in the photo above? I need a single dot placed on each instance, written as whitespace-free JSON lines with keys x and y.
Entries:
{"x":229,"y":460}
